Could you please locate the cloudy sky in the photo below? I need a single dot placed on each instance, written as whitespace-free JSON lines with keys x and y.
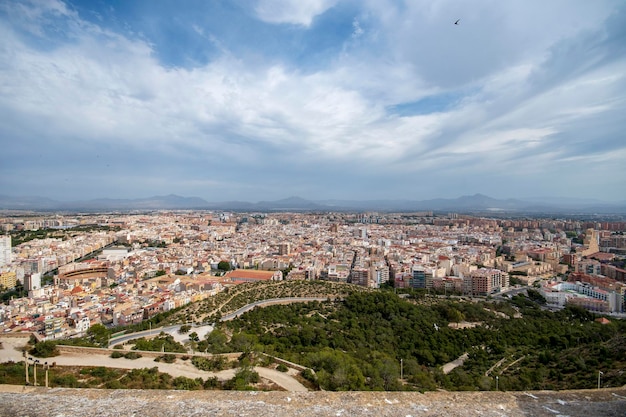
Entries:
{"x":357,"y":99}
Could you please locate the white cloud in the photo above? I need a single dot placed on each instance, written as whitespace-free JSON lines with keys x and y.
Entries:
{"x":301,"y":12}
{"x":102,"y":89}
{"x":357,"y":30}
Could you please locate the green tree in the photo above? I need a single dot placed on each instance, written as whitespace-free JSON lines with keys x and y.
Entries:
{"x":99,"y":335}
{"x":242,"y":379}
{"x":243,"y":342}
{"x":44,"y":349}
{"x":224,"y":266}
{"x":216,"y":341}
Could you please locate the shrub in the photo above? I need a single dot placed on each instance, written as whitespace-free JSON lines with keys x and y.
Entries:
{"x":44,"y":349}
{"x":167,"y":358}
{"x":184,"y":383}
{"x":215,"y":363}
{"x":132,"y":355}
{"x":282,"y":367}
{"x":113,"y":384}
{"x":242,"y":380}
{"x":308,"y":375}
{"x":67,"y":381}
{"x":212,"y":383}
{"x":116,"y":355}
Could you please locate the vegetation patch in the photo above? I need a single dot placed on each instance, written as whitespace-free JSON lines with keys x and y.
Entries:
{"x":378,"y":341}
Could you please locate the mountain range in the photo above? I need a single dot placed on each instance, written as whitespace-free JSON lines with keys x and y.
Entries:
{"x":468,"y":203}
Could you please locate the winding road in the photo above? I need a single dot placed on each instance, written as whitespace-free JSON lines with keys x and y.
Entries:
{"x":11,"y":351}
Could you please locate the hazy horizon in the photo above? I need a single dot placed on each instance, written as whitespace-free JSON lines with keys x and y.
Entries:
{"x":322,"y":99}
{"x":528,"y":199}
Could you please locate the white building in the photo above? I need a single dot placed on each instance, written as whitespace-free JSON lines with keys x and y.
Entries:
{"x":5,"y":250}
{"x":32,"y":281}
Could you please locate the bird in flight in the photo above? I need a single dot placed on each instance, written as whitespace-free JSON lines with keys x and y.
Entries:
{"x":457,"y":21}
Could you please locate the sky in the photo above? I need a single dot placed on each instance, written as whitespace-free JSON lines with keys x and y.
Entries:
{"x":323,"y":99}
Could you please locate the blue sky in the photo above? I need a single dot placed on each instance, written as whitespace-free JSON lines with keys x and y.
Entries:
{"x":323,"y":99}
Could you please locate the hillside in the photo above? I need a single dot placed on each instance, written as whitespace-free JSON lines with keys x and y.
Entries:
{"x":358,"y":341}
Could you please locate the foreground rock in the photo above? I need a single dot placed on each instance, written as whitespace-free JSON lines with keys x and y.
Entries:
{"x":35,"y":402}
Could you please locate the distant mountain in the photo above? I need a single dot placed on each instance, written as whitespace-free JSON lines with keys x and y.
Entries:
{"x":477,"y":202}
{"x":168,"y":202}
{"x":467,"y":203}
{"x":27,"y":203}
{"x":295,"y":203}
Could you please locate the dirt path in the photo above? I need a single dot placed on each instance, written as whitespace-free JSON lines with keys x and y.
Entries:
{"x":11,"y":352}
{"x":511,"y":364}
{"x":500,"y":362}
{"x":448,"y":367}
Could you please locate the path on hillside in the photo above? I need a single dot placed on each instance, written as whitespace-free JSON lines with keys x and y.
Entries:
{"x":10,"y":352}
{"x":448,"y":367}
{"x":500,"y":362}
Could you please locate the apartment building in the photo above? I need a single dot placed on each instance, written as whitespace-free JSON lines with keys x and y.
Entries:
{"x":485,"y":281}
{"x":5,"y":250}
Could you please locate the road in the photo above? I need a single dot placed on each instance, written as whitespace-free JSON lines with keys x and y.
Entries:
{"x":203,"y":330}
{"x":11,"y":352}
{"x":270,"y":301}
{"x":180,"y":368}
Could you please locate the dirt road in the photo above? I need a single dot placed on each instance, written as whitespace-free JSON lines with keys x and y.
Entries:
{"x":11,"y":352}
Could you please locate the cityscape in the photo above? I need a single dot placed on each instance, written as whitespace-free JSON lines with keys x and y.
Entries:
{"x":120,"y":269}
{"x":312,"y":207}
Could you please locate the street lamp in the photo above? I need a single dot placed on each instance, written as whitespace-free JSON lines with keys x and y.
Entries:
{"x":35,"y":362}
{"x":497,"y":379}
{"x":46,"y":367}
{"x":600,"y":373}
{"x":26,"y":366}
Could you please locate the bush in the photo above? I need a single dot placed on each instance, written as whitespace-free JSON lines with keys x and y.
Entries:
{"x":132,"y":355}
{"x":215,"y":363}
{"x":282,"y":368}
{"x":45,"y":349}
{"x":116,"y":355}
{"x":242,"y":380}
{"x":308,"y":375}
{"x":188,"y":384}
{"x":212,"y":383}
{"x":167,"y":358}
{"x":67,"y":381}
{"x":113,"y":384}
{"x":12,"y":373}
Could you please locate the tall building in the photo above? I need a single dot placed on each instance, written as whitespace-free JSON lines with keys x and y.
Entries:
{"x":5,"y":250}
{"x":8,"y":280}
{"x":485,"y":281}
{"x":591,"y":242}
{"x":418,"y":279}
{"x":379,"y":274}
{"x":32,"y":281}
{"x":284,"y":249}
{"x":360,"y":276}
